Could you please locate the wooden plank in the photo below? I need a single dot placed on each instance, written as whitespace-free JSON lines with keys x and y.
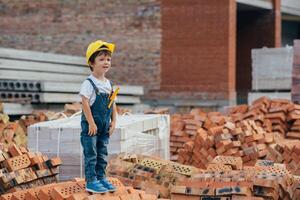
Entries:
{"x":43,"y":67}
{"x":40,"y":56}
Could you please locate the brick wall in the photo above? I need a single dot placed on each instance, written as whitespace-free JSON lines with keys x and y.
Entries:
{"x":177,"y":49}
{"x":68,"y":26}
{"x":198,"y":49}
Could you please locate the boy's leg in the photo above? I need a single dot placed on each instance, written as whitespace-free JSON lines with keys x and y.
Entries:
{"x":89,"y":144}
{"x":102,"y":153}
{"x":102,"y":143}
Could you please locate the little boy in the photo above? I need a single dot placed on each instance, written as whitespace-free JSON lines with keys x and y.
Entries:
{"x":98,"y":120}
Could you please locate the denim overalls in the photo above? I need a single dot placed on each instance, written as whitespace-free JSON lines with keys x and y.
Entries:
{"x":95,"y":147}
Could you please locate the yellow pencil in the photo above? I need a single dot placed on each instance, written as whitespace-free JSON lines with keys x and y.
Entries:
{"x":113,"y":97}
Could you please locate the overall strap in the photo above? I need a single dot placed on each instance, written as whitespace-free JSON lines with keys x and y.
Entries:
{"x":94,"y":86}
{"x":112,"y":86}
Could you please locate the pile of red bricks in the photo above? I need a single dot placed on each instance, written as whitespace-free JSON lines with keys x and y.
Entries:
{"x":225,"y":176}
{"x":12,"y":132}
{"x":16,"y":132}
{"x":276,"y":115}
{"x":75,"y":190}
{"x":250,"y":132}
{"x":247,"y":140}
{"x":152,"y":175}
{"x":184,"y":128}
{"x":21,"y":169}
{"x":234,"y":181}
{"x":45,"y":115}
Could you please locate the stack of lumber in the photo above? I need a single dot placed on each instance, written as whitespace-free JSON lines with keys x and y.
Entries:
{"x":21,"y":169}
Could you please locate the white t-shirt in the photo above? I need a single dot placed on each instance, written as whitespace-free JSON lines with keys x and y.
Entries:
{"x":88,"y":91}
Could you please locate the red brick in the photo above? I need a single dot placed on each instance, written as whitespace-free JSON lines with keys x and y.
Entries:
{"x":17,"y":162}
{"x":14,"y":150}
{"x":65,"y":191}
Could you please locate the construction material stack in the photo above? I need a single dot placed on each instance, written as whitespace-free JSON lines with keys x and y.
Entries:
{"x":148,"y":134}
{"x":226,"y":177}
{"x":32,"y":80}
{"x":271,"y":73}
{"x":22,"y":169}
{"x":75,"y":190}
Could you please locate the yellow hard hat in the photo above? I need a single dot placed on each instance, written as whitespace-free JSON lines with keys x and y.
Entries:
{"x":98,"y":46}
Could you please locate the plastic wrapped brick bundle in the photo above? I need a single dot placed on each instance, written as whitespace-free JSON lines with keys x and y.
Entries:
{"x":272,"y":68}
{"x":143,"y":134}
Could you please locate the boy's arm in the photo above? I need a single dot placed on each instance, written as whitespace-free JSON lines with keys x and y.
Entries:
{"x":114,"y":113}
{"x":88,"y":114}
{"x":113,"y":119}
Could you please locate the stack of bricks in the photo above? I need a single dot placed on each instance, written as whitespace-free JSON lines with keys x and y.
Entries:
{"x":287,"y":153}
{"x":258,"y":182}
{"x":277,"y":115}
{"x":226,"y":177}
{"x":12,"y":132}
{"x":152,"y":175}
{"x":21,"y":169}
{"x":45,"y":115}
{"x":75,"y":190}
{"x":273,"y":114}
{"x":244,"y":139}
{"x":178,"y":135}
{"x":294,"y":118}
{"x":16,"y":132}
{"x":184,"y":128}
{"x":245,"y":131}
{"x":35,"y":117}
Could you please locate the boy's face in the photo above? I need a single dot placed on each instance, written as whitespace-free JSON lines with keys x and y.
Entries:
{"x":102,"y":64}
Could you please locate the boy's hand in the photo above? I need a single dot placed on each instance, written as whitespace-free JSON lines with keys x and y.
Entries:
{"x":112,"y":127}
{"x":92,"y":129}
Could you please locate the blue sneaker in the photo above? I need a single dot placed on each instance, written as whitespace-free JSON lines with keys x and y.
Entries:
{"x":95,"y":187}
{"x":107,"y":185}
